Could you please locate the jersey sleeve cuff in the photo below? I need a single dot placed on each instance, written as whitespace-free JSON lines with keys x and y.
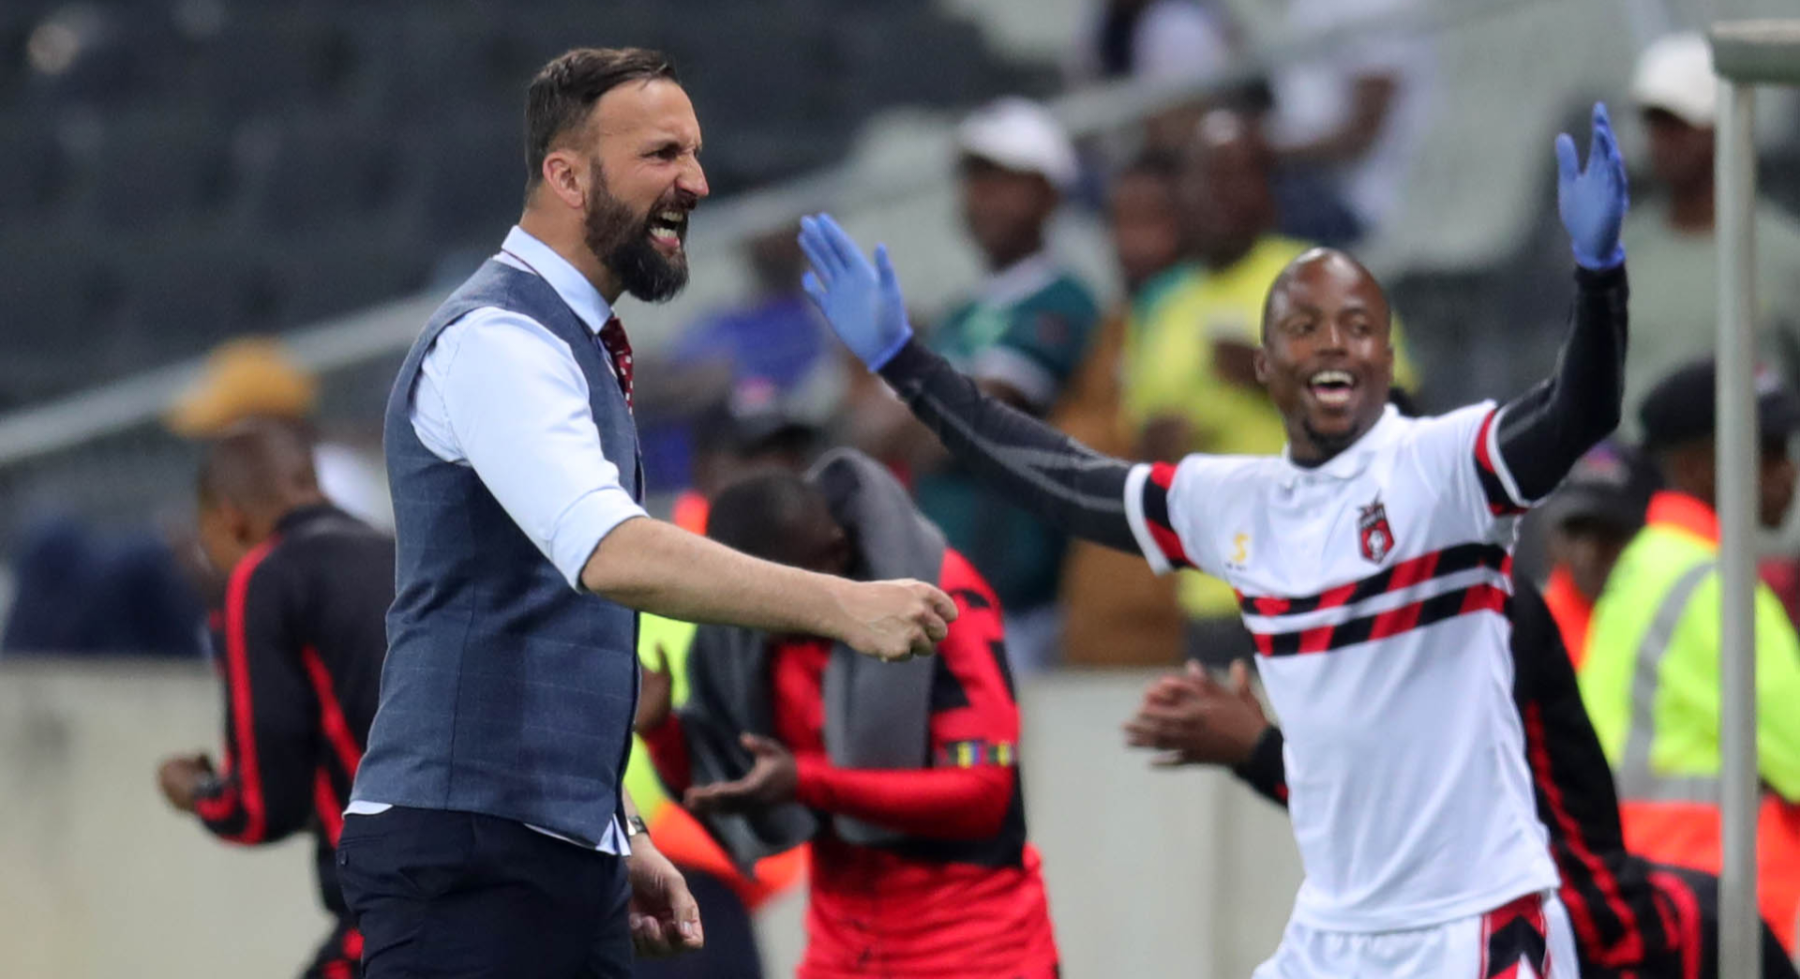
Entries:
{"x":585,"y":524}
{"x":1493,"y":463}
{"x":1140,"y":527}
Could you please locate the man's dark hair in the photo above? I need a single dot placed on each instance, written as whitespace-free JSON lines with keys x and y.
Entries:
{"x":565,"y":90}
{"x":760,"y":513}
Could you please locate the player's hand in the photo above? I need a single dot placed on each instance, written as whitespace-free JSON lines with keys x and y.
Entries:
{"x":1593,"y":201}
{"x":664,"y":918}
{"x":771,"y":781}
{"x":1196,"y":721}
{"x":861,"y":301}
{"x":655,"y":693}
{"x":893,"y":620}
{"x":180,"y":778}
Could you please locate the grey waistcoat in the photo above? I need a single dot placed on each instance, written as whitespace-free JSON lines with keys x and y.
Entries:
{"x":505,"y":692}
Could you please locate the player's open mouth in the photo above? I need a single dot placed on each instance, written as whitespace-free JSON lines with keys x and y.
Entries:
{"x":1332,"y":388}
{"x":668,"y":228}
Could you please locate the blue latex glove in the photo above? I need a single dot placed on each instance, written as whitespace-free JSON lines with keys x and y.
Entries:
{"x":861,"y":301}
{"x":1593,"y":201}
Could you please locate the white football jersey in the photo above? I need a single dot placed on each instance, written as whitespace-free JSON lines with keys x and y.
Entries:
{"x":1376,"y":587}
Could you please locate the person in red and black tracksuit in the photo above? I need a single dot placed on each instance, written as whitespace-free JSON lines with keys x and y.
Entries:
{"x":300,"y":641}
{"x":1633,"y":919}
{"x":904,"y":777}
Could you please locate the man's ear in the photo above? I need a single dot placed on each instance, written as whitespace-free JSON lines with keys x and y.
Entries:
{"x":1262,"y":365}
{"x":565,"y":175}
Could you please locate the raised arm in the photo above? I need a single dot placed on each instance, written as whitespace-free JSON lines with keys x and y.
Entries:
{"x":1542,"y":432}
{"x":1038,"y":467}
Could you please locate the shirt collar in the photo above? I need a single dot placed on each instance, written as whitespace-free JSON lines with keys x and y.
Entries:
{"x":1688,"y":514}
{"x":1018,"y":280}
{"x":1352,"y":461}
{"x":524,"y":248}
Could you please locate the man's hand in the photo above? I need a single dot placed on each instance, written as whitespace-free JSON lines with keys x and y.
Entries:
{"x":1195,"y":721}
{"x":861,"y":301}
{"x":893,"y":620}
{"x":664,"y":918}
{"x":771,"y":781}
{"x":1592,"y":202}
{"x":655,"y":693}
{"x":180,"y":778}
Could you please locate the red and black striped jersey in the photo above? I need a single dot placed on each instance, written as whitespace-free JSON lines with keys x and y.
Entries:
{"x":1623,"y":921}
{"x":300,"y":643}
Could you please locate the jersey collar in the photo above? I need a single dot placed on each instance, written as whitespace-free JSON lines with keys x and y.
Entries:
{"x":1686,"y":514}
{"x":1349,"y":463}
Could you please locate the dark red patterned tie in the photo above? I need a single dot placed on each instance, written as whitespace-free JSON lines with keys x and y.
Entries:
{"x":618,"y":346}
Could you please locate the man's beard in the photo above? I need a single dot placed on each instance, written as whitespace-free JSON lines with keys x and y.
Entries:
{"x":621,"y":241}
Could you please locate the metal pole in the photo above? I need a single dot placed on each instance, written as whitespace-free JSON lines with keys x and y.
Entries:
{"x":1740,"y":949}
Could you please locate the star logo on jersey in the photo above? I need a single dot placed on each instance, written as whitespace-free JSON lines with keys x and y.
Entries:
{"x":1373,"y":533}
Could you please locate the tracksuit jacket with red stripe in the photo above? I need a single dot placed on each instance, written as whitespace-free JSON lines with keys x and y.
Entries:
{"x":299,"y":644}
{"x":1632,"y":919}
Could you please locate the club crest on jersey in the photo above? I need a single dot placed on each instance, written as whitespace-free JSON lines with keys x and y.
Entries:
{"x":1373,"y":533}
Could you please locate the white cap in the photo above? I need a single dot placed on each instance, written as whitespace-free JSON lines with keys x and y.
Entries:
{"x":1019,"y":134}
{"x":1675,"y":73}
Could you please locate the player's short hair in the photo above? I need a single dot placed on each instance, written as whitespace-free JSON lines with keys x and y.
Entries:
{"x":256,"y":462}
{"x":565,"y":90}
{"x":761,"y":514}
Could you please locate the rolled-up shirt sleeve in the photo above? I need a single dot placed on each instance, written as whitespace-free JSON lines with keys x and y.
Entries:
{"x":501,"y":394}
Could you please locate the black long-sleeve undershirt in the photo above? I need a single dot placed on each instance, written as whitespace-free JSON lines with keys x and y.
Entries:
{"x":1541,"y":433}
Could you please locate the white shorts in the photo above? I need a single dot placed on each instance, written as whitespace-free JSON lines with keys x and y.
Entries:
{"x":1529,"y":938}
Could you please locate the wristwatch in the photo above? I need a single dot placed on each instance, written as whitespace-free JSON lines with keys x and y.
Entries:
{"x":634,"y":827}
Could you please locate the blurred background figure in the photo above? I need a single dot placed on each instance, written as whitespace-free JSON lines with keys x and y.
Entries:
{"x":1116,"y":612}
{"x":769,"y":348}
{"x":301,"y":638}
{"x":1355,"y":113}
{"x":1022,"y":335}
{"x":1594,"y":514}
{"x":1650,"y":677}
{"x":1669,"y":232}
{"x":1153,"y":39}
{"x":256,"y":378}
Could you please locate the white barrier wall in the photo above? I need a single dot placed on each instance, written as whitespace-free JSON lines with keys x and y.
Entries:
{"x":1151,"y":873}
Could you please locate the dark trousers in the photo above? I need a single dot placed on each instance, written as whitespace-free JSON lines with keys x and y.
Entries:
{"x":456,"y":894}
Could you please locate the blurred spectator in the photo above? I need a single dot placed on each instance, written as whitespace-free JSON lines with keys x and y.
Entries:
{"x":1357,"y":110}
{"x":80,"y":591}
{"x":1669,"y":232}
{"x":1152,"y":39}
{"x":1021,"y":336}
{"x":774,"y":340}
{"x":1594,"y":514}
{"x":1188,"y":362}
{"x":255,"y":378}
{"x":754,"y":427}
{"x":1116,"y":611}
{"x":1651,"y":675}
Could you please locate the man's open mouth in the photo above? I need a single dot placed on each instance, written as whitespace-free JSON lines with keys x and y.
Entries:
{"x":1332,"y":388}
{"x":668,"y":227}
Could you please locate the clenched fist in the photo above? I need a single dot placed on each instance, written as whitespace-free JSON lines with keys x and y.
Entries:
{"x":893,"y":620}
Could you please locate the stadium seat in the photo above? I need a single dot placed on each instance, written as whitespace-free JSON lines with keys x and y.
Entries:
{"x":328,"y":275}
{"x":311,"y":172}
{"x":149,"y":168}
{"x":34,"y":169}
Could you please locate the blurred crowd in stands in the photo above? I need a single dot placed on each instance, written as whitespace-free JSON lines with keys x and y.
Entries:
{"x":1203,"y":208}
